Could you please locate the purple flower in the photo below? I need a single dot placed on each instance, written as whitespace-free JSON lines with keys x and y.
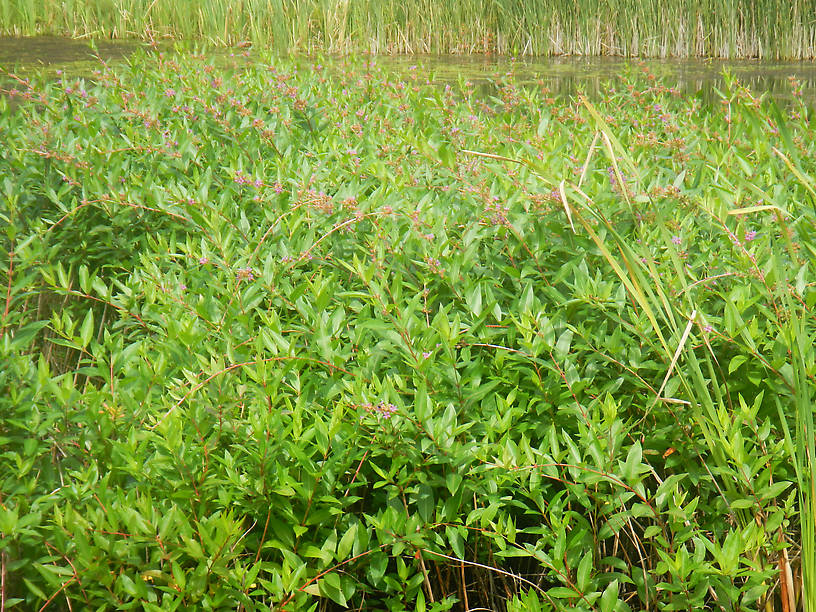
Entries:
{"x":203,"y":261}
{"x":750,"y":235}
{"x":245,"y":274}
{"x":381,"y":410}
{"x":677,"y":240}
{"x":385,"y":410}
{"x":426,"y":354}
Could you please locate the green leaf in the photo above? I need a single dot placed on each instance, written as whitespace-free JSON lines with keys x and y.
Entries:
{"x":84,"y":282}
{"x":609,"y":598}
{"x":474,"y":300}
{"x":584,"y":572}
{"x":741,"y":504}
{"x":731,"y":550}
{"x":425,"y":502}
{"x":330,"y":587}
{"x":87,"y":329}
{"x":562,"y":347}
{"x":178,"y":575}
{"x":130,"y":587}
{"x":8,"y":520}
{"x":775,"y":490}
{"x":563,"y":593}
{"x":34,"y":589}
{"x":455,"y":541}
{"x":736,"y":362}
{"x":346,"y":542}
{"x":633,"y":461}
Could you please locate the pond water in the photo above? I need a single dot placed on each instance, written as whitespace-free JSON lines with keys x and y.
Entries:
{"x":563,"y":75}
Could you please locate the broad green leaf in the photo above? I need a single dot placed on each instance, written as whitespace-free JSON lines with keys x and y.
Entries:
{"x":87,"y":329}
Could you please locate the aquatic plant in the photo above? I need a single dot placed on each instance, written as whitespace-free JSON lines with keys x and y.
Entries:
{"x":771,"y":29}
{"x":295,"y":338}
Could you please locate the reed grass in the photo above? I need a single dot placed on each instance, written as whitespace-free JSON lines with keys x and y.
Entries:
{"x":773,"y":29}
{"x":793,"y":323}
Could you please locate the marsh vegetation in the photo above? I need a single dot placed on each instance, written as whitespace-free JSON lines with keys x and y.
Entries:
{"x":767,"y":29}
{"x":328,"y":337}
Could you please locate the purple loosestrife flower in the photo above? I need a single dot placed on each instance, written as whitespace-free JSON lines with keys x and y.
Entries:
{"x":386,"y":410}
{"x":245,"y":274}
{"x":750,"y":235}
{"x":381,"y":410}
{"x":677,"y":240}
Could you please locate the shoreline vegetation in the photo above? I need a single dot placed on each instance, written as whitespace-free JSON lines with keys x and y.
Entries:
{"x":732,"y":29}
{"x":325,"y":338}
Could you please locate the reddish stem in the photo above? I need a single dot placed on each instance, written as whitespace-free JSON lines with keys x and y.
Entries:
{"x":10,"y":274}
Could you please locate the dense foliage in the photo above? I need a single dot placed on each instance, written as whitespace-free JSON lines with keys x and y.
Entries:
{"x":316,"y":337}
{"x":768,"y":29}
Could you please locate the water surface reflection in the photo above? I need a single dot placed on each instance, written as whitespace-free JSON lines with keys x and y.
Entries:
{"x":564,"y":76}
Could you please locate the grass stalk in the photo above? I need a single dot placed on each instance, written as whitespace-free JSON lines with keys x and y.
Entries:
{"x":740,"y":29}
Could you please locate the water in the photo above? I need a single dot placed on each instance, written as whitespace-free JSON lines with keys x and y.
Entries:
{"x":569,"y":75}
{"x":562,"y":75}
{"x":29,"y":54}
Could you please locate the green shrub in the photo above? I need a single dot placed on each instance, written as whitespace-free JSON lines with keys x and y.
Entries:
{"x":293,"y":338}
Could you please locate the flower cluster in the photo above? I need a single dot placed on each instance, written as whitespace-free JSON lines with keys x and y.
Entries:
{"x":381,"y":410}
{"x":496,"y":211}
{"x":317,"y":200}
{"x":613,"y":179}
{"x":434,"y":264}
{"x":245,"y":274}
{"x":243,"y":179}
